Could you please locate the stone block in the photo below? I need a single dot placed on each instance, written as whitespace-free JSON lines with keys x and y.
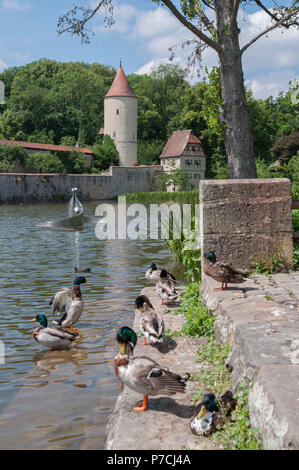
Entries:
{"x":244,"y":221}
{"x":274,"y":406}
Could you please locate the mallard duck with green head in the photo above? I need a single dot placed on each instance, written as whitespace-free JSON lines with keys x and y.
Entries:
{"x":165,"y":288}
{"x":153,"y":274}
{"x":54,"y":338}
{"x":142,"y":374}
{"x":151,"y":322}
{"x":210,"y":416}
{"x":222,"y":272}
{"x":71,"y":305}
{"x":203,"y":418}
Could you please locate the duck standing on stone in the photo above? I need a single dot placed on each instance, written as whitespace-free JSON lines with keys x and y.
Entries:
{"x":142,"y":374}
{"x":153,"y":274}
{"x":151,"y":322}
{"x":165,"y":288}
{"x":73,"y":306}
{"x":222,"y":272}
{"x":55,"y":338}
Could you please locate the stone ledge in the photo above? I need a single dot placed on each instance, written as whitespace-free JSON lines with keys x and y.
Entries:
{"x":264,"y":337}
{"x":165,"y":424}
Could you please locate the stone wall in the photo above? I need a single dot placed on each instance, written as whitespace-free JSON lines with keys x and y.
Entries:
{"x":247,"y":220}
{"x":20,"y":187}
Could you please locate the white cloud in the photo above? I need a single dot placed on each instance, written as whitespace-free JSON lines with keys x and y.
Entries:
{"x":268,"y":64}
{"x":15,"y":5}
{"x":270,"y":84}
{"x":3,"y":66}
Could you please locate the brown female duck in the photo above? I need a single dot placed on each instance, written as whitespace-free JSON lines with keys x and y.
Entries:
{"x":222,"y":272}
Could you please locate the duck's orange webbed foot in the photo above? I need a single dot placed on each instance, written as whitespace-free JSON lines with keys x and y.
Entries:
{"x":144,"y":343}
{"x":221,"y":288}
{"x":143,"y":406}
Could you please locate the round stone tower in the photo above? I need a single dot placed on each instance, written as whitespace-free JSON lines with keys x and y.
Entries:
{"x":120,"y":118}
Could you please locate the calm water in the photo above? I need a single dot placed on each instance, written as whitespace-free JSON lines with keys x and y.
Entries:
{"x":61,"y":399}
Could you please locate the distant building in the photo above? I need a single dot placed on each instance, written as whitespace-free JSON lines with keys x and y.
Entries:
{"x":184,"y":150}
{"x":120,"y":118}
{"x":33,"y":147}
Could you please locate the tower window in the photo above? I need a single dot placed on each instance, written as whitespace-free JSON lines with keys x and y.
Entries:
{"x":114,"y":134}
{"x":117,"y":111}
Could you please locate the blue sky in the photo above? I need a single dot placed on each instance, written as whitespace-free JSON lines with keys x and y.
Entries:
{"x":141,"y":36}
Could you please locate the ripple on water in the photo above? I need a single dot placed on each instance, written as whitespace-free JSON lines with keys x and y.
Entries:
{"x":44,"y":395}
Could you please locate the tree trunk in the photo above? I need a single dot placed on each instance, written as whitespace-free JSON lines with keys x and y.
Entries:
{"x":237,"y":131}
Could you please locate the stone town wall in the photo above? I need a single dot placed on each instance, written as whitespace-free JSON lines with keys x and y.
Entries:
{"x":22,"y":187}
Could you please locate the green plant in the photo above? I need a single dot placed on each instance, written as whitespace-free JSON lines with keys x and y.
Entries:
{"x":238,"y":434}
{"x":199,"y":322}
{"x":273,"y":265}
{"x":178,"y":178}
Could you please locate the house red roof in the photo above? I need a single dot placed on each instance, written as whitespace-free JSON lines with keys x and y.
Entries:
{"x":37,"y":146}
{"x":176,"y":144}
{"x":120,"y":86}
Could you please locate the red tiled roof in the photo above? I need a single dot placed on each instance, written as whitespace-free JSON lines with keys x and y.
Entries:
{"x":120,"y":86}
{"x":177,"y":143}
{"x":37,"y":146}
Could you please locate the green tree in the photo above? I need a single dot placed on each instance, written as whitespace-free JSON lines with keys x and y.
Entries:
{"x":178,"y":179}
{"x":43,"y":162}
{"x":10,"y":156}
{"x":105,"y":154}
{"x":222,"y":35}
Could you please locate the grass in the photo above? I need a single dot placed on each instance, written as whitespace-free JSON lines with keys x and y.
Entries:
{"x":157,"y":197}
{"x":276,"y":264}
{"x":214,"y":376}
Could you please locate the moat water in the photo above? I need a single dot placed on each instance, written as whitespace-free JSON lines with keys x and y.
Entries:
{"x":62,"y":399}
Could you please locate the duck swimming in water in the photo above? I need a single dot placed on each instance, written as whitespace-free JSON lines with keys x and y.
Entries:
{"x":73,"y":306}
{"x":222,"y":272}
{"x":54,"y":338}
{"x":151,"y":322}
{"x":142,"y":374}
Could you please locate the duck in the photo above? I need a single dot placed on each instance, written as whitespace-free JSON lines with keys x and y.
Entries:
{"x":153,"y":274}
{"x":203,"y":419}
{"x":142,"y":374}
{"x":165,"y":288}
{"x":71,"y":305}
{"x":151,"y":322}
{"x":210,"y":416}
{"x":82,"y":270}
{"x":222,"y":272}
{"x":55,"y":338}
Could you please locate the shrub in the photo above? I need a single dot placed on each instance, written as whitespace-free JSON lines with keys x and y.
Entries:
{"x":10,"y":155}
{"x":44,"y":162}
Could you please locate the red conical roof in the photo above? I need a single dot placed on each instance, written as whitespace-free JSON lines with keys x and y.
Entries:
{"x":120,"y":86}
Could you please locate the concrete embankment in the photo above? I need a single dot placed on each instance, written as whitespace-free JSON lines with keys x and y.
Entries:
{"x":260,"y":320}
{"x":165,"y":424}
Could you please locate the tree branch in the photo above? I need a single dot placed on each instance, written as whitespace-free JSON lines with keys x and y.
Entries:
{"x":207,"y":23}
{"x":77,"y":26}
{"x":235,"y":13}
{"x":270,"y":28}
{"x":213,"y":44}
{"x":272,"y":15}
